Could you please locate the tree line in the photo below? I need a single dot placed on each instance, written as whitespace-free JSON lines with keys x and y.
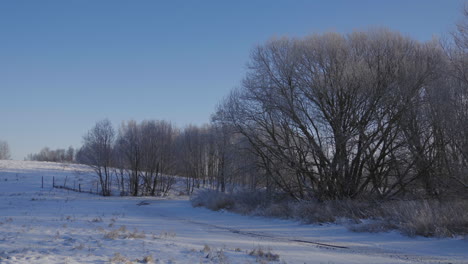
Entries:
{"x":328,"y":116}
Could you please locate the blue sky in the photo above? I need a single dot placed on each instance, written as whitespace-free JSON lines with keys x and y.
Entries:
{"x":66,"y":64}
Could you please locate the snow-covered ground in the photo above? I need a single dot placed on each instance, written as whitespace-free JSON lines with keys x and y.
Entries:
{"x":59,"y":226}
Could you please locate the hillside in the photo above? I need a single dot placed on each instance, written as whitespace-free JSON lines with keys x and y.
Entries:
{"x":50,"y":225}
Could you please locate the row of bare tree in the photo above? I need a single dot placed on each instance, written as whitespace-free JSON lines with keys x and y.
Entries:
{"x":144,"y":158}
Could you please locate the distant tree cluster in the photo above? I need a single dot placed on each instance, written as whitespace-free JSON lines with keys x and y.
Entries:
{"x":4,"y":150}
{"x":57,"y":155}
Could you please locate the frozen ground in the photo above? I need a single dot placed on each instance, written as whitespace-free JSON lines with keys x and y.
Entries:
{"x":59,"y":226}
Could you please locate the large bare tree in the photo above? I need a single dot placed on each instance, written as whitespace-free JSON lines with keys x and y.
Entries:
{"x":323,"y":112}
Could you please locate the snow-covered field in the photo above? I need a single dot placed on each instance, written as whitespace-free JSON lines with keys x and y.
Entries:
{"x":59,"y":226}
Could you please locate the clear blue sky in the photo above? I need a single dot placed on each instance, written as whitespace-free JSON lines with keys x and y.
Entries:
{"x":66,"y":64}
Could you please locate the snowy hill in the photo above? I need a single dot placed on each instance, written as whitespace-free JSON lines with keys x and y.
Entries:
{"x":50,"y":225}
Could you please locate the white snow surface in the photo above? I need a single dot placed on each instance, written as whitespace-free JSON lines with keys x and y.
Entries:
{"x":47,"y":225}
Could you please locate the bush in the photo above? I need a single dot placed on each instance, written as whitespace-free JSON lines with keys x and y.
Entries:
{"x":429,"y":217}
{"x":277,"y":210}
{"x":213,"y":200}
{"x":413,"y":218}
{"x":313,"y":212}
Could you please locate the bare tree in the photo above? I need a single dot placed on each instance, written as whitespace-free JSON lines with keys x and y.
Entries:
{"x":130,"y":143}
{"x":4,"y":150}
{"x":97,"y":152}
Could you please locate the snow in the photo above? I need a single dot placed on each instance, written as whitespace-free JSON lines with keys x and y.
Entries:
{"x":46,"y":225}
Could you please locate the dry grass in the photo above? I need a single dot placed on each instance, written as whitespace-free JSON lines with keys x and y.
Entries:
{"x":80,"y":246}
{"x":122,"y":233}
{"x":118,"y":258}
{"x":206,"y":248}
{"x":135,"y":235}
{"x":147,"y":259}
{"x":264,"y":255}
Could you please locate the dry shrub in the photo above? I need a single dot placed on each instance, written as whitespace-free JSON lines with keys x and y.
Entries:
{"x":277,"y":210}
{"x":372,"y":226}
{"x":250,"y":202}
{"x":354,"y":209}
{"x":213,"y":200}
{"x":429,"y":217}
{"x":313,"y":212}
{"x":413,"y":218}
